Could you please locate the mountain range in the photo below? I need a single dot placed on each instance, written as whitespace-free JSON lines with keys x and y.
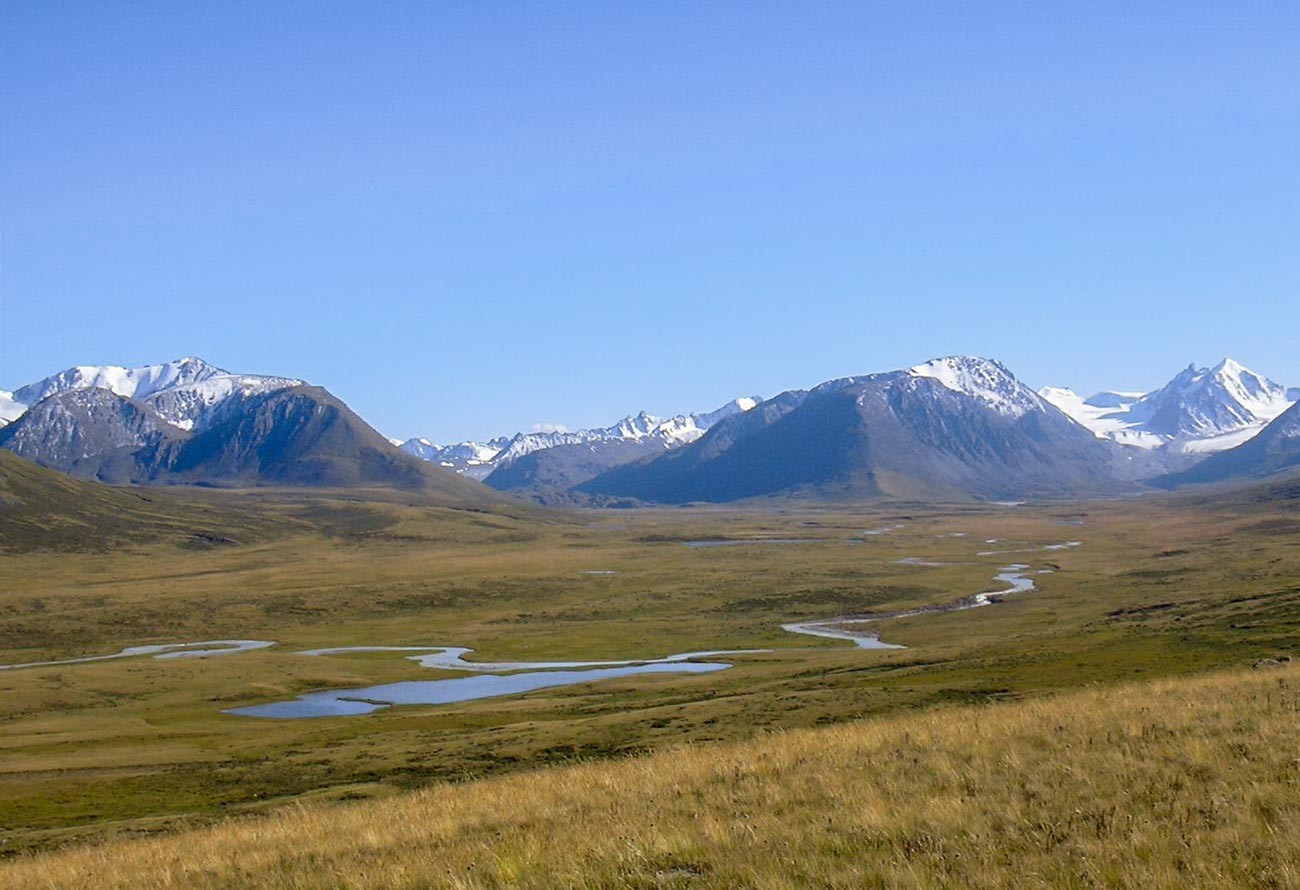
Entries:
{"x":1202,"y":410}
{"x":633,"y":436}
{"x":951,"y":428}
{"x":948,"y":429}
{"x":189,"y":422}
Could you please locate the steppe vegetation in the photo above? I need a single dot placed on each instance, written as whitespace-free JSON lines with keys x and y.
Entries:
{"x":1158,"y":589}
{"x":1186,"y":783}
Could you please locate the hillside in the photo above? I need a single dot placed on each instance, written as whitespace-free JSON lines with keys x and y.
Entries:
{"x":41,"y":508}
{"x":1171,"y":784}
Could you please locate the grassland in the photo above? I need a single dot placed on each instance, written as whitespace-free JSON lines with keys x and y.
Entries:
{"x":1186,"y":783}
{"x":1157,"y":589}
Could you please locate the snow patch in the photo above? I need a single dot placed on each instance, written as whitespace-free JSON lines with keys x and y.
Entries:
{"x":982,"y":379}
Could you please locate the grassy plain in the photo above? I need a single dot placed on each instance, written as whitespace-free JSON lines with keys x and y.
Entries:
{"x":1186,"y":783}
{"x":1157,"y":589}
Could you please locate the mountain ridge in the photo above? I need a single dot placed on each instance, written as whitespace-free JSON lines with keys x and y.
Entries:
{"x":480,"y":460}
{"x":956,"y":427}
{"x":189,"y":422}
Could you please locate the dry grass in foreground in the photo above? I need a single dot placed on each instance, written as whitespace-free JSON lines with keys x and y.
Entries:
{"x":1186,"y":783}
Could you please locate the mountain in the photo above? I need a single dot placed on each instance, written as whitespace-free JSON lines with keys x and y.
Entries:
{"x":1202,"y":410}
{"x":1274,"y":449}
{"x":182,"y":392}
{"x":91,"y":433}
{"x":544,"y":474}
{"x":472,"y":459}
{"x":301,"y":436}
{"x":188,"y":422}
{"x":955,"y":427}
{"x":547,"y":461}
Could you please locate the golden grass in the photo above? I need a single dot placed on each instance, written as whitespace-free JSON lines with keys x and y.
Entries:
{"x":1169,"y":784}
{"x":109,"y":749}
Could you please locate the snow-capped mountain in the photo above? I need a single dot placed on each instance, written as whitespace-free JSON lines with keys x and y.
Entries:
{"x":949,"y":428}
{"x":473,"y":459}
{"x":1202,"y":410}
{"x":479,"y":459}
{"x":671,"y":431}
{"x":188,"y":422}
{"x":184,"y":392}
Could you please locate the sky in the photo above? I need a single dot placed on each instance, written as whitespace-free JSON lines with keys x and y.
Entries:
{"x":470,"y":218}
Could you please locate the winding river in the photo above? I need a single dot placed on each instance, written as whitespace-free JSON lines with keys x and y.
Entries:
{"x":856,"y":629}
{"x":497,"y":679}
{"x":202,"y":649}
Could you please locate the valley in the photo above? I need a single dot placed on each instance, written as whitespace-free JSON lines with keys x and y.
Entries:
{"x":520,"y":446}
{"x":1158,"y":587}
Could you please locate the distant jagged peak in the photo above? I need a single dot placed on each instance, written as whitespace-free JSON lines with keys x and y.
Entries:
{"x":478,"y":458}
{"x":672,"y":431}
{"x":1212,"y":400}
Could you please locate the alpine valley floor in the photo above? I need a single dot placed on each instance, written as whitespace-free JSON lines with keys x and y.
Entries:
{"x":105,"y":751}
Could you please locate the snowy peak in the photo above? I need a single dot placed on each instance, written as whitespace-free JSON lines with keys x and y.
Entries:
{"x":129,"y":383}
{"x":983,"y":379}
{"x":183,"y":392}
{"x":1207,"y":402}
{"x":1201,"y":410}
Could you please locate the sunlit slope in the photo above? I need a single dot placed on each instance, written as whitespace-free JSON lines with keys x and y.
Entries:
{"x":1175,"y":784}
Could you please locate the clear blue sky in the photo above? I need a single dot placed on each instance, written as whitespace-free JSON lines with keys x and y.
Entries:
{"x":466,"y":218}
